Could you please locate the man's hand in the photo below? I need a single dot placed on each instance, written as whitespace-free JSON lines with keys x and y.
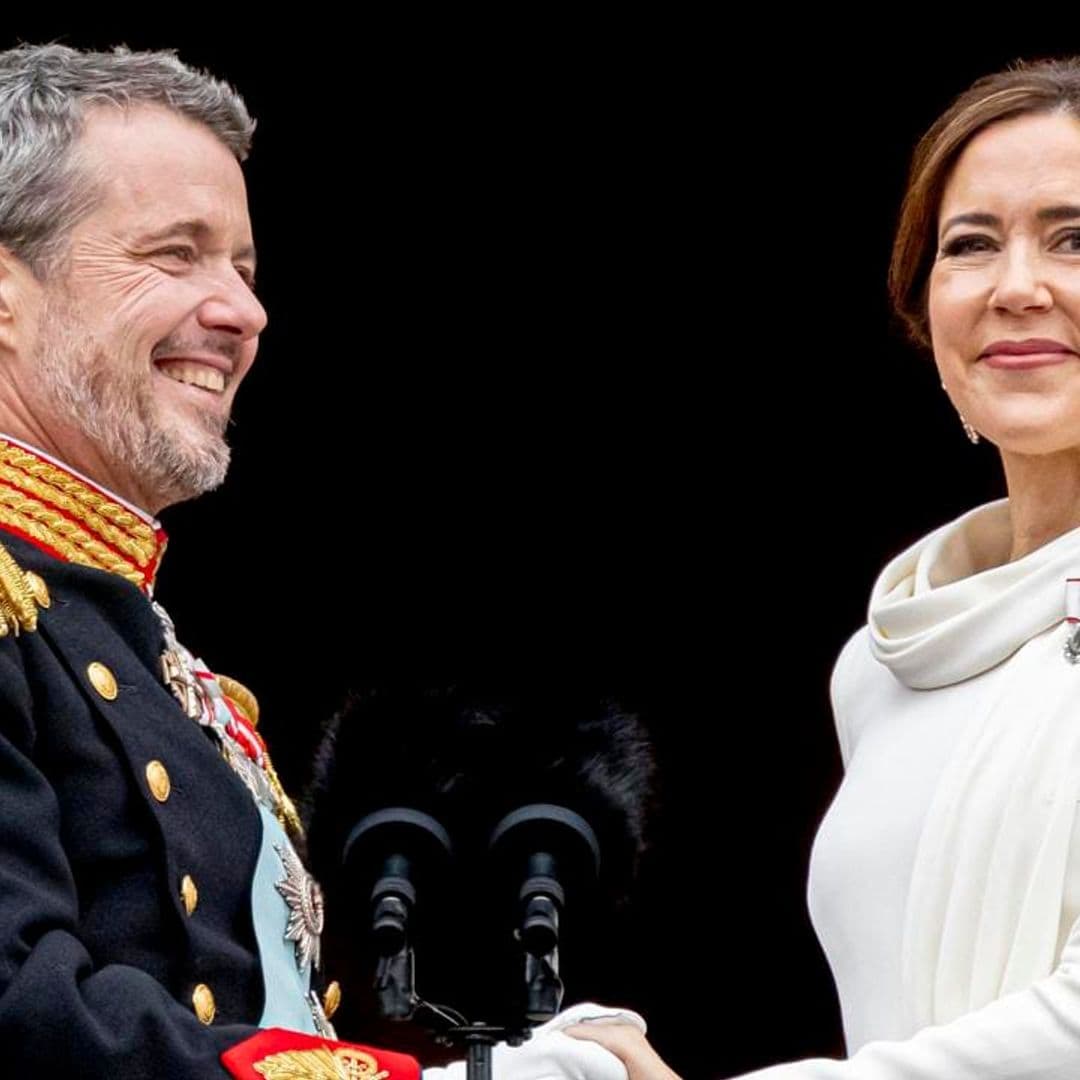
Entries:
{"x":628,"y":1044}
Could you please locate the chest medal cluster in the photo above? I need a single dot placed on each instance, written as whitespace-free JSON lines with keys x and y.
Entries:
{"x":230,"y":712}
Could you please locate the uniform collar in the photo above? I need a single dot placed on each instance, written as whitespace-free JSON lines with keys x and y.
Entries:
{"x":68,"y":516}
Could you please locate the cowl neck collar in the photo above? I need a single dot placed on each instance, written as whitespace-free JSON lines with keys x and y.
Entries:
{"x":950,"y":606}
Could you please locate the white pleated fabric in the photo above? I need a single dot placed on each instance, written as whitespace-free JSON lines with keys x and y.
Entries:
{"x":985,"y":897}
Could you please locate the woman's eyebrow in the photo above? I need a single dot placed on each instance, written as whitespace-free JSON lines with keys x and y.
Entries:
{"x":1061,"y":212}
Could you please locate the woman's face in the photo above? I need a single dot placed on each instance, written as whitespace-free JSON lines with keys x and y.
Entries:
{"x":1007,"y":270}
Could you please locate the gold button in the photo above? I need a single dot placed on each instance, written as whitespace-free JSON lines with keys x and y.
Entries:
{"x":38,"y":589}
{"x":158,"y":781}
{"x":203,"y":1000}
{"x":189,"y":894}
{"x":332,"y":999}
{"x":103,"y":680}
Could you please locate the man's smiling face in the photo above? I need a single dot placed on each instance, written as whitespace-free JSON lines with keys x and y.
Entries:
{"x":144,"y":334}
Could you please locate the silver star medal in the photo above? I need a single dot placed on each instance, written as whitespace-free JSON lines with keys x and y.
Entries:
{"x":304,"y":897}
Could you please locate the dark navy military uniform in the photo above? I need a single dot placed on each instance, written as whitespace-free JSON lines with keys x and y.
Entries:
{"x":98,"y":951}
{"x":129,"y":848}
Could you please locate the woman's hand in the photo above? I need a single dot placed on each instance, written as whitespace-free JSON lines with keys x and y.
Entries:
{"x":628,"y":1044}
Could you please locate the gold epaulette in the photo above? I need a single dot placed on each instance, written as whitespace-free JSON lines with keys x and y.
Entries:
{"x":241,"y":697}
{"x":248,"y":704}
{"x":22,"y":592}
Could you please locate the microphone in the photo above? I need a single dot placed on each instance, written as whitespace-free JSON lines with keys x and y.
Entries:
{"x":388,"y":855}
{"x":492,"y":823}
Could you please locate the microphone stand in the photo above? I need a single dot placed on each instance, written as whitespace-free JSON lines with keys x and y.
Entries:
{"x":406,"y":847}
{"x":542,"y":848}
{"x":536,"y":848}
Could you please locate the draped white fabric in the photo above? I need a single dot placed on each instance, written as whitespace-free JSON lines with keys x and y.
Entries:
{"x":985,"y":895}
{"x":989,"y":800}
{"x":951,"y":606}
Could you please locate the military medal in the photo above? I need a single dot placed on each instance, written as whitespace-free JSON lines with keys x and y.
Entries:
{"x":231,"y":718}
{"x":177,"y":672}
{"x":304,"y":897}
{"x":1072,"y":618}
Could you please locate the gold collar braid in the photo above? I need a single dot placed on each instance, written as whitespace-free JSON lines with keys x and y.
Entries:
{"x":74,"y":520}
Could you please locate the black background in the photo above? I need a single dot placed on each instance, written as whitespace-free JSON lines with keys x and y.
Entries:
{"x":579,"y":361}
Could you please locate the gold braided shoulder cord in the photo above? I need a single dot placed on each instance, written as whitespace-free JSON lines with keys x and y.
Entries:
{"x":52,"y":528}
{"x":18,"y":609}
{"x":34,"y":466}
{"x":139,"y":550}
{"x":54,"y":487}
{"x":248,"y":704}
{"x":286,"y":809}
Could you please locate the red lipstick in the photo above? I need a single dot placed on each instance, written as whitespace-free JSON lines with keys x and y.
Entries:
{"x":1029,"y":353}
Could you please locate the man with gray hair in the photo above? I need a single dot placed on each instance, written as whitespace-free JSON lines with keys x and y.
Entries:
{"x":155,"y":918}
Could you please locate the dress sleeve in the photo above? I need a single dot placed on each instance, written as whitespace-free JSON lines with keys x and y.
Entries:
{"x":840,"y":692}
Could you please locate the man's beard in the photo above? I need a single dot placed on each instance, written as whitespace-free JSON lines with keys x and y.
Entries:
{"x":117,"y":409}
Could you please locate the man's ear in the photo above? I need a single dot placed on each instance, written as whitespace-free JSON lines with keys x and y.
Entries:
{"x":17,"y":282}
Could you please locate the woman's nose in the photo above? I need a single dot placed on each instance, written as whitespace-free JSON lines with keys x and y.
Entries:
{"x":1021,"y":283}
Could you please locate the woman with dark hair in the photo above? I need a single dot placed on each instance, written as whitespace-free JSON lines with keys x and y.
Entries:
{"x":945,"y":877}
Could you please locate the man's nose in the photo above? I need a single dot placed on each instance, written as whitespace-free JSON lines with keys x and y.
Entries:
{"x":1021,"y":282}
{"x":232,"y":306}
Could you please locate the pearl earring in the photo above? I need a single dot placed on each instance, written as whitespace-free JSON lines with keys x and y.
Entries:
{"x":969,"y":431}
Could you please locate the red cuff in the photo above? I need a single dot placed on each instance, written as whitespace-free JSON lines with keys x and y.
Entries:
{"x":277,"y":1054}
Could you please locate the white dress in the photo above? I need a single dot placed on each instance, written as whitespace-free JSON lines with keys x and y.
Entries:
{"x":945,"y":877}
